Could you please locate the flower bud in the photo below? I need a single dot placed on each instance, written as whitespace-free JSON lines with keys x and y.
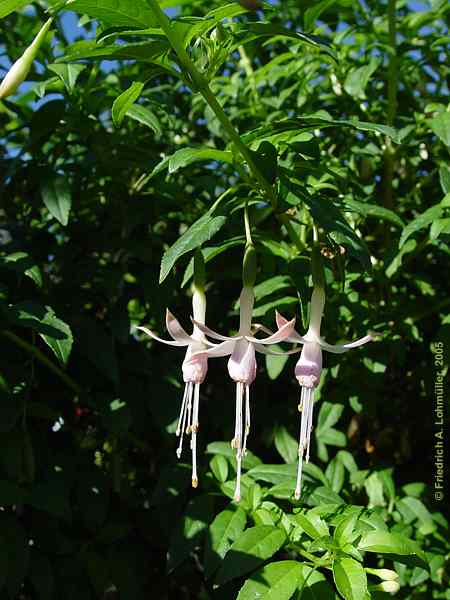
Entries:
{"x":391,"y":587}
{"x":386,"y":574}
{"x":20,"y":69}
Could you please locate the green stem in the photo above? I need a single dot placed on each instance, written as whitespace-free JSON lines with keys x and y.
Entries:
{"x":284,"y":219}
{"x":248,"y":68}
{"x":248,"y":231}
{"x":392,"y":88}
{"x":40,"y":356}
{"x":201,"y":84}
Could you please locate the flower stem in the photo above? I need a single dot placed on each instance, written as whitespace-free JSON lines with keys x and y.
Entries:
{"x":200,"y":84}
{"x":40,"y":356}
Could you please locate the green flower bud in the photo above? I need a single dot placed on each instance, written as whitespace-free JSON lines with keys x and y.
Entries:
{"x":249,"y":266}
{"x":20,"y":69}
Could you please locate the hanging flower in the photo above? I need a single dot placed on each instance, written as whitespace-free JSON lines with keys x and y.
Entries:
{"x":242,"y":368}
{"x":19,"y":70}
{"x":194,"y":367}
{"x":308,"y":369}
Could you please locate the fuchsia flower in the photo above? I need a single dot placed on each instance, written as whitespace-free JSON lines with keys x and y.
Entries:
{"x":308,"y":369}
{"x":242,"y":367}
{"x":195,"y":367}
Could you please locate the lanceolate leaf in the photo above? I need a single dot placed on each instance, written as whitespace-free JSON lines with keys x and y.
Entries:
{"x":134,"y":13}
{"x":143,"y":115}
{"x":9,"y":6}
{"x":57,"y":197}
{"x":201,"y":231}
{"x":125,"y":101}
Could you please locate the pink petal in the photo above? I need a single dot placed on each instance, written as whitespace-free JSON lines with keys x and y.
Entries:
{"x":223,"y":349}
{"x":263,"y":350}
{"x":256,"y":327}
{"x":294,"y":336}
{"x":283,"y":333}
{"x":155,"y":337}
{"x":211,"y":333}
{"x":340,"y":348}
{"x":176,"y":330}
{"x":242,"y":362}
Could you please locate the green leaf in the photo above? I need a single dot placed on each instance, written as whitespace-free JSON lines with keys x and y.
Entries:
{"x":275,"y":581}
{"x":335,"y":474}
{"x":312,"y":524}
{"x":186,"y":535}
{"x":125,"y":101}
{"x":21,"y":262}
{"x":133,"y":13}
{"x":219,"y":467}
{"x":152,"y":53}
{"x":314,"y":586}
{"x":55,"y":333}
{"x":224,"y":448}
{"x":198,"y":233}
{"x":373,"y":210}
{"x":275,"y":364}
{"x":343,"y":534}
{"x":186,"y":156}
{"x":223,"y":531}
{"x":254,"y":546}
{"x":286,"y":445}
{"x":9,"y":6}
{"x":274,"y":473}
{"x":57,"y":197}
{"x":329,"y":415}
{"x":444,"y":178}
{"x":421,"y":221}
{"x":350,"y":579}
{"x":357,"y":80}
{"x":68,"y":73}
{"x":314,"y":12}
{"x":440,"y":125}
{"x":145,"y":116}
{"x":390,"y":543}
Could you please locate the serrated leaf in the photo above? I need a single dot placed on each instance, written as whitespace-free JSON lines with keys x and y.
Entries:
{"x":254,"y":546}
{"x":57,"y":197}
{"x":276,"y":581}
{"x":125,"y":101}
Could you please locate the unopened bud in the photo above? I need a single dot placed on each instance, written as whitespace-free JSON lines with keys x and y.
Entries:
{"x":20,"y":69}
{"x":386,"y":574}
{"x":390,"y":587}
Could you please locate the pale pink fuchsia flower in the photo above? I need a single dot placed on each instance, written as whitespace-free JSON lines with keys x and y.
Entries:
{"x":308,"y":369}
{"x":19,"y":70}
{"x":242,"y":368}
{"x":195,"y":367}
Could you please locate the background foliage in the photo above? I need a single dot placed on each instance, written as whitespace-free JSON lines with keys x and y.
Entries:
{"x":107,"y":158}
